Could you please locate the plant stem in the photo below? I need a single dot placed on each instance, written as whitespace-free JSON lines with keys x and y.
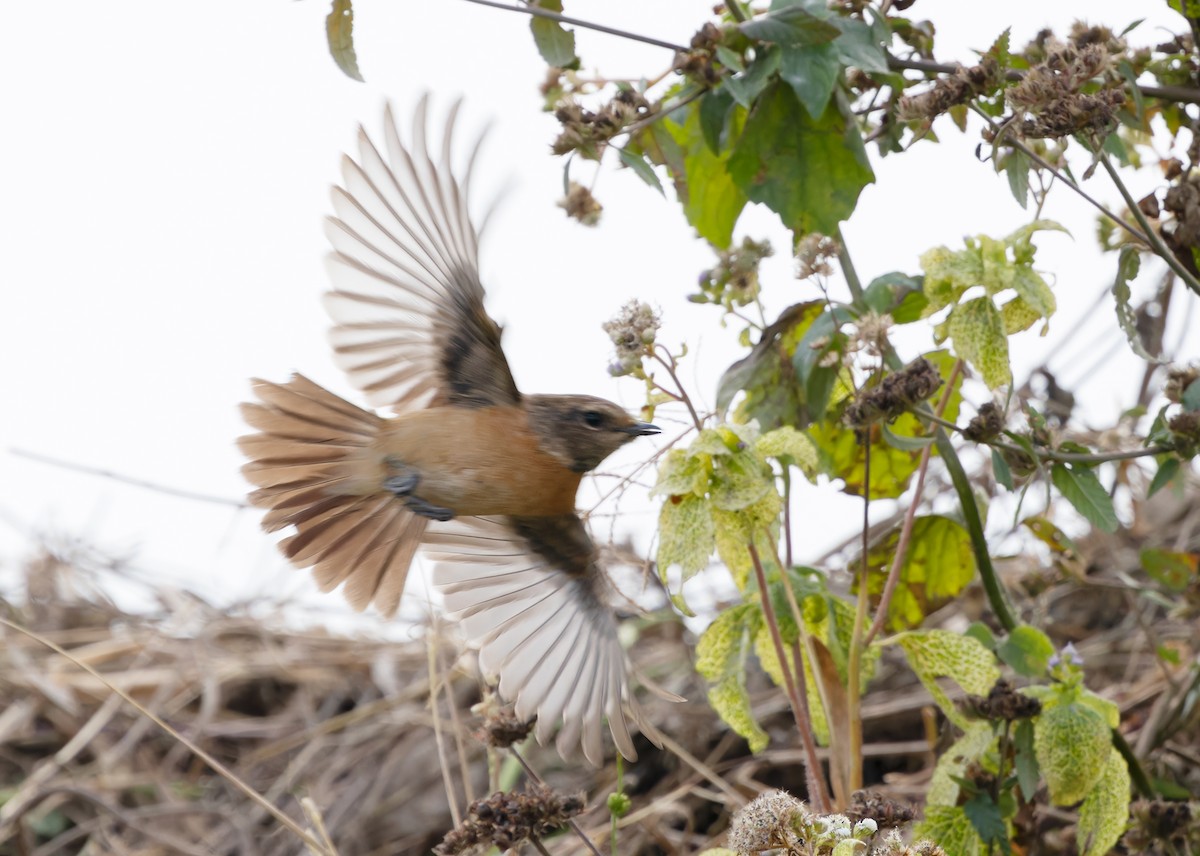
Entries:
{"x":798,"y":709}
{"x":538,"y":12}
{"x":910,"y":516}
{"x":1156,"y":241}
{"x":1136,"y":773}
{"x":1051,"y":454}
{"x":669,"y":365}
{"x":848,"y":271}
{"x":857,"y":639}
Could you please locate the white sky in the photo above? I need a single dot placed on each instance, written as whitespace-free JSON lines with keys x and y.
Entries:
{"x":164,"y":170}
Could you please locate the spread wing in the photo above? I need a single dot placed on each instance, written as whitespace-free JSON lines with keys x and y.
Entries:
{"x":410,"y":329}
{"x":527,"y":591}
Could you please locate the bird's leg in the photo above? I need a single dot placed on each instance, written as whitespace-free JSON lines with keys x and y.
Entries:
{"x":403,"y":481}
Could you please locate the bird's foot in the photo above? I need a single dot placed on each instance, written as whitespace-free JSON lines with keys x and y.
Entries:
{"x":426,"y":509}
{"x":403,"y":479}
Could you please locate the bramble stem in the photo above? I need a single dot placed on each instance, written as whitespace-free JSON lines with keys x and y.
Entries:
{"x":538,"y":12}
{"x":1051,"y":454}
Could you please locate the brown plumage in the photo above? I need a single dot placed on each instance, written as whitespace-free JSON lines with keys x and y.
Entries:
{"x":481,"y":475}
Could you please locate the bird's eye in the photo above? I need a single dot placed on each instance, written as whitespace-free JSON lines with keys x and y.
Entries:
{"x":593,"y":419}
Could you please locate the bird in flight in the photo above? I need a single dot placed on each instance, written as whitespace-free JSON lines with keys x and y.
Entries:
{"x":482,"y":475}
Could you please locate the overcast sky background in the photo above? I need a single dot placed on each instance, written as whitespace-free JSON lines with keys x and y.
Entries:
{"x":164,"y":174}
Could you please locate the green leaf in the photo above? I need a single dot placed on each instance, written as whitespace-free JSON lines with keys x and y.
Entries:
{"x":681,"y":474}
{"x":1073,"y":743}
{"x":1080,"y":486}
{"x":1105,"y":812}
{"x":985,"y":816}
{"x":862,"y":46}
{"x":976,"y":329}
{"x":786,"y":441}
{"x":1031,"y":288}
{"x":555,"y":43}
{"x":747,"y":86}
{"x":944,"y":789}
{"x":1167,"y":470}
{"x":951,"y":829}
{"x":1016,"y":167}
{"x":938,"y":565}
{"x":731,"y":702}
{"x":339,"y":32}
{"x":721,"y":660}
{"x":740,"y":480}
{"x":715,"y":108}
{"x":885,"y":293}
{"x":934,"y":654}
{"x":1174,"y":570}
{"x":791,"y":25}
{"x":1190,"y":400}
{"x":1000,"y":470}
{"x":1128,"y":263}
{"x":685,"y":535}
{"x":907,"y":444}
{"x":1027,"y":649}
{"x":639,"y":165}
{"x":809,"y":171}
{"x":811,"y":71}
{"x":713,"y":200}
{"x":730,"y":59}
{"x":1026,"y":763}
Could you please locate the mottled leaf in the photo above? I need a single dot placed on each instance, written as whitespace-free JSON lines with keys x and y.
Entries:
{"x":339,"y":32}
{"x":1072,"y":743}
{"x":943,"y":653}
{"x":1105,"y":811}
{"x":937,"y":566}
{"x":685,"y":535}
{"x":976,"y":329}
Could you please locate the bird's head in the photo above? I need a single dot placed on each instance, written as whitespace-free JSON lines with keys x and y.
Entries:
{"x":581,"y":430}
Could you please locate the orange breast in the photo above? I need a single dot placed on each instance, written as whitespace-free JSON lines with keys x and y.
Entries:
{"x":479,"y":461}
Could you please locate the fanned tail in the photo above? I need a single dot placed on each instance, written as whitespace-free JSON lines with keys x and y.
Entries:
{"x":315,"y":470}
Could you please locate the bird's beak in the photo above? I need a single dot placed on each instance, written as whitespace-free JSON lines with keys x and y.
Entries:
{"x":641,"y":429}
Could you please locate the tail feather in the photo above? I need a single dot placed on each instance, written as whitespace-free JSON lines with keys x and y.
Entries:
{"x":314,"y":468}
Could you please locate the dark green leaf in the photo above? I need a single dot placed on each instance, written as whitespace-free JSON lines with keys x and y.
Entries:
{"x":1167,"y":470}
{"x":985,"y":816}
{"x":812,"y":71}
{"x":1027,"y":650}
{"x":1174,"y":570}
{"x":555,"y":43}
{"x":339,"y":31}
{"x":908,"y":444}
{"x":1001,"y":470}
{"x":860,"y":45}
{"x":1080,"y":487}
{"x":715,"y":107}
{"x":730,"y":59}
{"x":1128,"y":263}
{"x":1191,"y":396}
{"x":793,"y":25}
{"x":981,"y":633}
{"x":809,"y":171}
{"x":1026,"y":760}
{"x":887,"y":291}
{"x":639,"y":165}
{"x":745,"y":87}
{"x":1016,"y":167}
{"x":773,"y":396}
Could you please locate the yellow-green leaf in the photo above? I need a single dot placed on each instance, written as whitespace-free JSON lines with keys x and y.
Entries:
{"x":934,"y":654}
{"x":938,"y":565}
{"x":685,"y":535}
{"x":339,"y":31}
{"x":977,"y":331}
{"x":1072,"y":743}
{"x":788,"y":441}
{"x":711,"y":201}
{"x":952,"y":831}
{"x":731,"y":702}
{"x":1105,"y":812}
{"x":944,"y":787}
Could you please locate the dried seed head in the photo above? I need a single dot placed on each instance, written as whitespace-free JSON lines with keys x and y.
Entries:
{"x":505,"y":820}
{"x":1002,"y":702}
{"x":581,"y":205}
{"x":813,"y":253}
{"x":895,"y":394}
{"x":768,"y":823}
{"x":987,"y":424}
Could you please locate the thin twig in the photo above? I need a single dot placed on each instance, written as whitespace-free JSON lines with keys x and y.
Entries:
{"x":910,"y":516}
{"x":539,"y":12}
{"x":854,"y":666}
{"x":435,"y":687}
{"x":1053,"y":454}
{"x":108,"y":474}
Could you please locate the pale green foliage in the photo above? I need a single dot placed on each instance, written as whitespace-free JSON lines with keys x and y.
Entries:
{"x":1072,"y":742}
{"x":721,"y":661}
{"x":978,"y":739}
{"x":979,"y":328}
{"x":953,"y":831}
{"x":788,"y":441}
{"x":764,"y":649}
{"x":1105,"y":812}
{"x":963,"y":659}
{"x":686,"y":536}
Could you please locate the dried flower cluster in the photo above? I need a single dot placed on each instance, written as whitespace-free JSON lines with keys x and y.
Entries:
{"x":502,"y":728}
{"x":1158,"y":826}
{"x":813,"y":253}
{"x":893,"y":845}
{"x":776,"y":820}
{"x":581,"y":205}
{"x":1183,"y":233}
{"x":632,"y":332}
{"x":505,"y":820}
{"x":734,"y":279}
{"x":588,"y":132}
{"x":957,"y":88}
{"x":1179,"y":378}
{"x":987,"y":424}
{"x":1003,"y":702}
{"x":698,"y":64}
{"x":1050,"y":96}
{"x":887,"y":813}
{"x":895,"y":394}
{"x":1185,"y":433}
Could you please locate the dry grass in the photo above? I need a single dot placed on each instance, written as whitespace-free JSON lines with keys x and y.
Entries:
{"x":340,"y":739}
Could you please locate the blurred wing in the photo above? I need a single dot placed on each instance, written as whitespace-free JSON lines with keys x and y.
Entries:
{"x":527,"y":592}
{"x":410,"y":329}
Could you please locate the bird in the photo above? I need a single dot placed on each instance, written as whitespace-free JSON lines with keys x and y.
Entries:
{"x":479,"y":474}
